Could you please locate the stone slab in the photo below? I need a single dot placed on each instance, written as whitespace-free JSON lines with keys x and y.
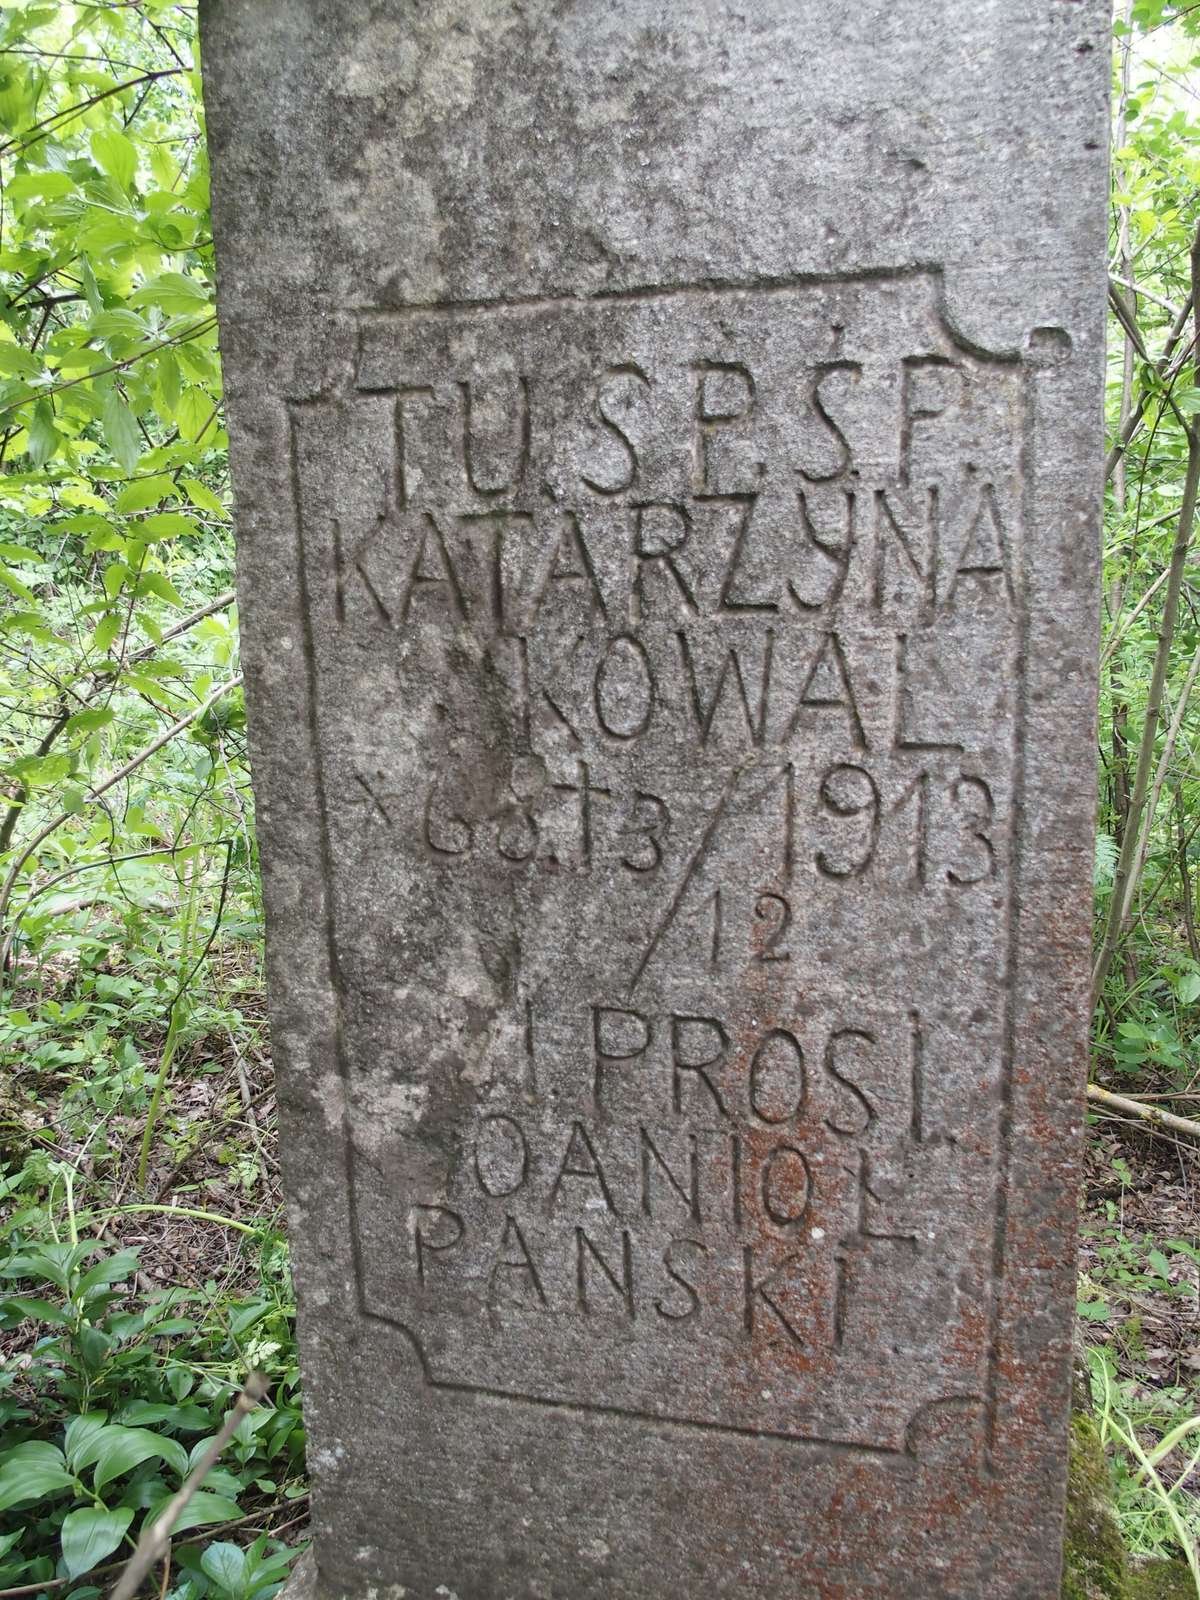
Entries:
{"x":666,"y":445}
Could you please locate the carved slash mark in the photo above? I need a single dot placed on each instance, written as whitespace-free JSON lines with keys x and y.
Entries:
{"x":375,"y":800}
{"x":690,"y":871}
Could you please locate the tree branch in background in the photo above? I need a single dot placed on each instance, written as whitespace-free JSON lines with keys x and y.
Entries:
{"x":1167,"y":368}
{"x":1126,"y":878}
{"x":1164,"y":766}
{"x":17,"y":804}
{"x":43,"y":129}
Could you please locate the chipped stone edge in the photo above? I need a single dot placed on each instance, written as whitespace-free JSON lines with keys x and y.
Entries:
{"x":304,"y":1583}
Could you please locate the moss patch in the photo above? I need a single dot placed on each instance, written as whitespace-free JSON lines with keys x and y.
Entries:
{"x":1094,"y":1566}
{"x":1160,"y":1580}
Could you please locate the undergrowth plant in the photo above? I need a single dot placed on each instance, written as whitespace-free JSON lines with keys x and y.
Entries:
{"x":130,"y":922}
{"x":119,"y":1393}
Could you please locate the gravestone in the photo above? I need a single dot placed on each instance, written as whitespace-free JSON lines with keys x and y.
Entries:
{"x":666,"y":443}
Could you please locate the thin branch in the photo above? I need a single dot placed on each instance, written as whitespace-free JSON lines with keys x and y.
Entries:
{"x":1156,"y":299}
{"x":17,"y":804}
{"x":1125,"y":878}
{"x":41,"y":130}
{"x":101,"y":788}
{"x":1116,"y":636}
{"x":1144,"y":1113}
{"x":1185,"y":881}
{"x":1164,"y":766}
{"x":190,"y":621}
{"x":61,"y":719}
{"x":206,"y":1537}
{"x":1169,"y":364}
{"x":115,"y":366}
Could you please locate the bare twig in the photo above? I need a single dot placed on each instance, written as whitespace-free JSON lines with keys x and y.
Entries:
{"x":197,"y":328}
{"x":1144,"y":1113}
{"x":184,"y":623}
{"x":1164,"y":766}
{"x":1167,"y":367}
{"x":67,"y":113}
{"x":1116,"y":636}
{"x":1146,"y":294}
{"x":99,"y":676}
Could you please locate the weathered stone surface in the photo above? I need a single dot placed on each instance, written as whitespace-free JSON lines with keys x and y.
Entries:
{"x":666,"y":450}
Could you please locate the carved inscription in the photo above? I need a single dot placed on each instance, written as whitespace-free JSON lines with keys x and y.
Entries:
{"x":674,"y":646}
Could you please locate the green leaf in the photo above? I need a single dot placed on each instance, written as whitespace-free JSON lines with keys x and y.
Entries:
{"x":225,"y":1564}
{"x":18,"y":363}
{"x":202,"y":1509}
{"x":83,"y":1433}
{"x":170,"y":384}
{"x":31,"y":1478}
{"x":14,"y":585}
{"x":245,"y":1317}
{"x":39,"y":186}
{"x":105,"y":632}
{"x":120,"y":430}
{"x":106,"y":324}
{"x":39,"y":1310}
{"x":1092,"y":1310}
{"x":122,"y":1264}
{"x":203,"y":498}
{"x":194,"y":412}
{"x":87,"y":722}
{"x":143,"y":492}
{"x":95,"y":1346}
{"x":144,"y":1413}
{"x":91,"y":288}
{"x":1160,"y":1264}
{"x":33,"y":1451}
{"x":88,"y":1536}
{"x":116,"y":154}
{"x":39,"y":772}
{"x":179,"y":1381}
{"x":52,"y":1264}
{"x":44,"y":438}
{"x":115,"y":574}
{"x":159,"y":584}
{"x":18,"y":552}
{"x":173,"y":291}
{"x":29,"y":623}
{"x":166,"y":525}
{"x":119,"y":1450}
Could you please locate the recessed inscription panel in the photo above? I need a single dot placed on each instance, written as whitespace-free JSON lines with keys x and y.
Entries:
{"x":673,"y":663}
